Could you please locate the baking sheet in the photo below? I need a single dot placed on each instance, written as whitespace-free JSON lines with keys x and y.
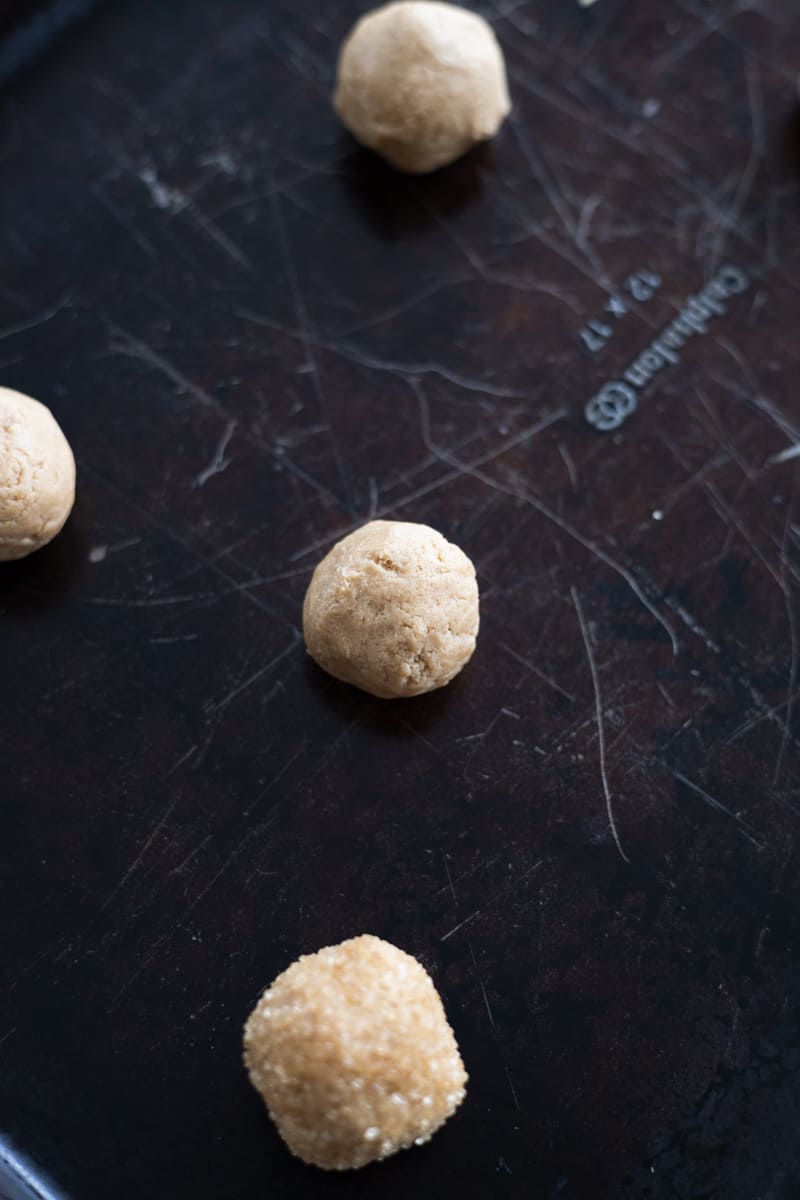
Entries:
{"x":256,"y":337}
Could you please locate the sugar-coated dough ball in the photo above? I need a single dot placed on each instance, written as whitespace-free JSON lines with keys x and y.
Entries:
{"x":351,"y":1050}
{"x":420,"y":82}
{"x":37,"y":475}
{"x":393,"y":608}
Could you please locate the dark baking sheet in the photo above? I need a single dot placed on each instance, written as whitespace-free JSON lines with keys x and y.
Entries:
{"x":30,"y":29}
{"x":256,"y":337}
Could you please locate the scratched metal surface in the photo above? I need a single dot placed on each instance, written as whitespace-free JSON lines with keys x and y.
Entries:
{"x":30,"y":29}
{"x":257,"y":337}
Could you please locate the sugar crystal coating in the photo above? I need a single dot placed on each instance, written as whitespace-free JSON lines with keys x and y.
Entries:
{"x":352,"y":1053}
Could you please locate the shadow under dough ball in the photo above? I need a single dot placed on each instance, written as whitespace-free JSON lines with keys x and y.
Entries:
{"x":352,"y":1053}
{"x":421,"y":82}
{"x":37,"y":476}
{"x":394,"y":609}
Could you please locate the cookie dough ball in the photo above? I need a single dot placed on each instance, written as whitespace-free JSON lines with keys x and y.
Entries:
{"x":37,"y":476}
{"x":393,"y":608}
{"x":352,"y":1053}
{"x":421,"y":82}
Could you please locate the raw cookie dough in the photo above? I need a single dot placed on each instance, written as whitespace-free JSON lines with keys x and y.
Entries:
{"x":352,"y":1053}
{"x":37,"y":476}
{"x":393,"y":608}
{"x":420,"y":82}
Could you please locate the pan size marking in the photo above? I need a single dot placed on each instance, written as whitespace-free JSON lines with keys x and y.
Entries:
{"x":617,"y":399}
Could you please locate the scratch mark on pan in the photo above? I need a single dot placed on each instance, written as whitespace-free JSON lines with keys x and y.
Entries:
{"x":482,"y":386}
{"x":529,"y":666}
{"x":306,"y":172}
{"x":785,"y":455}
{"x":125,"y":343}
{"x":261,"y":580}
{"x":159,"y":825}
{"x":480,"y":983}
{"x":764,"y":405}
{"x":220,"y":705}
{"x":262,"y":795}
{"x":398,"y":310}
{"x":183,"y":758}
{"x":199,"y":557}
{"x":170,"y":641}
{"x":286,"y":464}
{"x":692,"y":623}
{"x":588,"y":209}
{"x":693,"y":39}
{"x":727,"y":515}
{"x":127,"y":224}
{"x":373,"y":498}
{"x":219,"y":462}
{"x":32,"y":322}
{"x":151,"y":602}
{"x":459,"y":469}
{"x":212,"y":231}
{"x":183,"y":864}
{"x":162,"y":195}
{"x":460,"y":925}
{"x":598,"y":704}
{"x":586,"y":260}
{"x":718,"y":806}
{"x":513,"y":1089}
{"x":520,"y":494}
{"x":589,"y":545}
{"x":174,"y":202}
{"x":569,"y":463}
{"x":764,"y":714}
{"x":449,"y":879}
{"x":308,"y":338}
{"x":374,"y":363}
{"x":787,"y":594}
{"x":549,"y":186}
{"x":99,"y":554}
{"x":156,"y":946}
{"x":731,"y":217}
{"x":486,"y":1002}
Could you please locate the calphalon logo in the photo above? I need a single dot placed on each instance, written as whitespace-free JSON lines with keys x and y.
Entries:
{"x":618,"y":399}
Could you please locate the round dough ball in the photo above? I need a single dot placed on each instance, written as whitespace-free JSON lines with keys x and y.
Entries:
{"x":352,"y":1053}
{"x":420,"y":82}
{"x":393,"y":608}
{"x":37,"y":476}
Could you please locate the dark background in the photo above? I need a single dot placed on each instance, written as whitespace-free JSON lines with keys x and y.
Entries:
{"x":256,"y":337}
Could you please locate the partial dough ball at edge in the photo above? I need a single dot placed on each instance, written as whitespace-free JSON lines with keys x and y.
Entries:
{"x":352,"y":1053}
{"x":393,"y":608}
{"x":420,"y":82}
{"x":37,"y":476}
